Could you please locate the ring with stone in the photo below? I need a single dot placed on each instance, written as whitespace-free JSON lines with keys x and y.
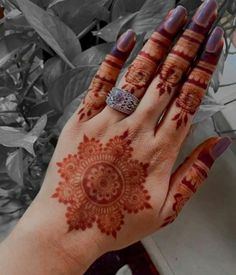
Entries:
{"x":122,"y":101}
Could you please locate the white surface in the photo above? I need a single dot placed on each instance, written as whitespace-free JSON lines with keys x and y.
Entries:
{"x":202,"y":241}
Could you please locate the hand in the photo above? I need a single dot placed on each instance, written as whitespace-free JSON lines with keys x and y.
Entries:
{"x":110,"y":180}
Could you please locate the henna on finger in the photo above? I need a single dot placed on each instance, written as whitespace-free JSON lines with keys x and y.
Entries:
{"x":184,"y":52}
{"x":106,"y":77}
{"x":143,"y":68}
{"x":194,"y":89}
{"x":191,"y":175}
{"x":101,"y":183}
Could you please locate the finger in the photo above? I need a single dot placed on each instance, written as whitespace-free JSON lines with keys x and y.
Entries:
{"x":177,"y":121}
{"x":177,"y":64}
{"x":141,"y":72}
{"x":190,"y":176}
{"x":106,"y":77}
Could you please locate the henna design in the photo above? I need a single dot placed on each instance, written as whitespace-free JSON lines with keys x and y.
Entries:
{"x":101,"y":182}
{"x":142,"y":70}
{"x":106,"y":76}
{"x":192,"y":93}
{"x":189,"y":185}
{"x":100,"y":86}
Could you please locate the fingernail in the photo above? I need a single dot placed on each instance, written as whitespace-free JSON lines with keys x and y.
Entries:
{"x":204,"y":14}
{"x":176,"y":19}
{"x":126,"y":42}
{"x":220,"y":147}
{"x":215,"y":40}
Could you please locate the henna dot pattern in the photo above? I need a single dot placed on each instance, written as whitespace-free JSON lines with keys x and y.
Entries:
{"x":100,"y":183}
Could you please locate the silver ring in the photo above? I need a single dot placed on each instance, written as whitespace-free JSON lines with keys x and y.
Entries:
{"x":122,"y":101}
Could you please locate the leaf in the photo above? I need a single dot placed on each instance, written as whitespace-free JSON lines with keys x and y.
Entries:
{"x":190,"y":5}
{"x":137,"y":48}
{"x":69,"y":111}
{"x":53,"y":68}
{"x":234,"y":38}
{"x":111,"y":31}
{"x":151,"y":15}
{"x":69,"y":86}
{"x":57,"y":35}
{"x":79,"y":14}
{"x":15,"y":20}
{"x":9,"y":45}
{"x":215,"y":81}
{"x":13,"y":137}
{"x":94,"y":55}
{"x":118,"y":9}
{"x":122,"y":7}
{"x":14,"y":165}
{"x":208,"y":108}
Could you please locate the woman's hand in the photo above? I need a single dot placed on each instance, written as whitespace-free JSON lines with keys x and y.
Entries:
{"x":110,"y":180}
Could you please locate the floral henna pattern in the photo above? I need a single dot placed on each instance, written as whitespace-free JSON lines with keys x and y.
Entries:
{"x":192,"y":92}
{"x":100,"y":183}
{"x":186,"y":189}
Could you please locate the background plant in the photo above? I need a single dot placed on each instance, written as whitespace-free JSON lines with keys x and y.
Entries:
{"x":49,"y":52}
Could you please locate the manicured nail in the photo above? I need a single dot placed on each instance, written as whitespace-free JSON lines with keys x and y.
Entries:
{"x":215,"y":40}
{"x":175,"y":19}
{"x":126,"y":42}
{"x":220,"y":147}
{"x":205,"y":13}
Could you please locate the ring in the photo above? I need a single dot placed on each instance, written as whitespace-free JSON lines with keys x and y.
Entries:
{"x":122,"y":101}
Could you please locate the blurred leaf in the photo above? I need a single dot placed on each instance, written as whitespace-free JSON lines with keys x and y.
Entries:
{"x":57,"y":35}
{"x":53,"y":68}
{"x":69,"y":86}
{"x":79,"y":14}
{"x":9,"y":45}
{"x":16,"y":21}
{"x":94,"y":55}
{"x":69,"y":111}
{"x":122,"y":7}
{"x":137,"y":48}
{"x":14,"y":165}
{"x":150,"y":15}
{"x":234,"y":38}
{"x":8,"y":104}
{"x":118,"y":9}
{"x":111,"y":31}
{"x":215,"y":81}
{"x":207,"y":109}
{"x":40,"y":109}
{"x":13,"y":137}
{"x":190,"y":5}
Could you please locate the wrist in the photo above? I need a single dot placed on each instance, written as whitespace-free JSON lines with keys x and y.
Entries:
{"x":35,"y":247}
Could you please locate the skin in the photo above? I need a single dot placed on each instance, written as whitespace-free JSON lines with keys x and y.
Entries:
{"x":110,"y":180}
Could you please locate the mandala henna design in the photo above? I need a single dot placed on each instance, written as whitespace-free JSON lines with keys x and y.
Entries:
{"x":100,"y":183}
{"x":189,"y":185}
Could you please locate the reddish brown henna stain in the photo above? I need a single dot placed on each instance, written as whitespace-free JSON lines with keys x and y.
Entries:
{"x":100,"y":183}
{"x":189,"y":185}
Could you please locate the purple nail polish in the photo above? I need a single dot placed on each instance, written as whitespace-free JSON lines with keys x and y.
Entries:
{"x":220,"y":147}
{"x":175,"y":20}
{"x":205,"y":13}
{"x":126,"y":41}
{"x":215,"y":40}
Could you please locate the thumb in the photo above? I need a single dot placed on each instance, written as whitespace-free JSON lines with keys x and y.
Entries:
{"x":190,"y":175}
